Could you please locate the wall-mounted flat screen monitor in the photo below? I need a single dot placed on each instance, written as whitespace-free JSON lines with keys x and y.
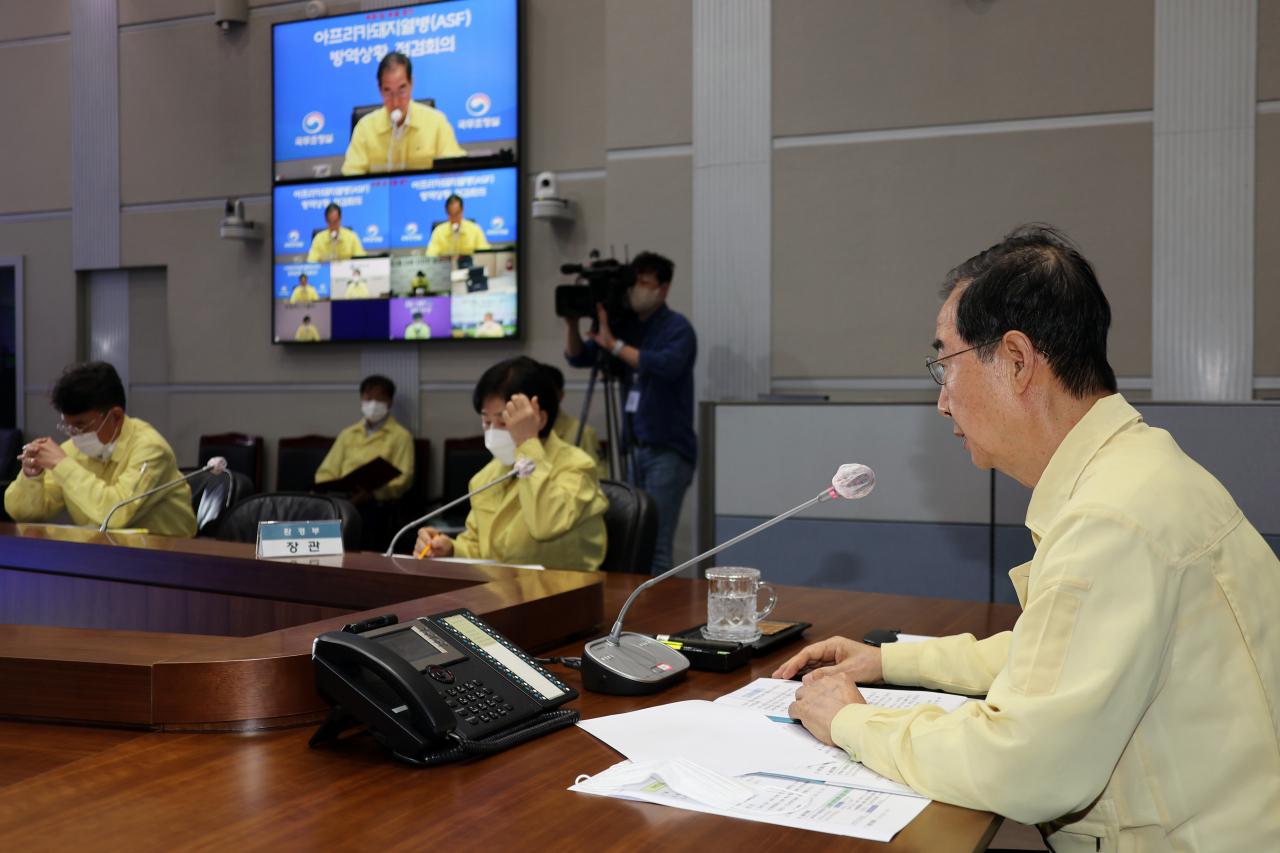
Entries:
{"x":401,"y":257}
{"x":457,"y":96}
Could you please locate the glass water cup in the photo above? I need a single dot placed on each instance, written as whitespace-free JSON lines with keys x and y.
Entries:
{"x":732,"y":602}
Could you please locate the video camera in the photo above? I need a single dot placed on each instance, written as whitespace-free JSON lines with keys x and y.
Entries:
{"x":601,"y":281}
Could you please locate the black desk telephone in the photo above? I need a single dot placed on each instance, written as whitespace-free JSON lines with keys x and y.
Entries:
{"x":437,"y":688}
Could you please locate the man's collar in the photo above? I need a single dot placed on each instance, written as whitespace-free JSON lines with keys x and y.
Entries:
{"x":1108,"y":416}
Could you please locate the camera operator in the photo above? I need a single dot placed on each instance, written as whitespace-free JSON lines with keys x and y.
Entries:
{"x":657,"y":346}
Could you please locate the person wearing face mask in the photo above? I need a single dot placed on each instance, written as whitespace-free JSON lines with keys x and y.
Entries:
{"x":377,"y":434}
{"x":554,"y":517}
{"x":109,"y":458}
{"x":657,"y":348}
{"x":402,"y":133}
{"x":456,"y":236}
{"x":335,"y":243}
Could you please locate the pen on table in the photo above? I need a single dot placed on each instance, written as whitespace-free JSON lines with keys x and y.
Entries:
{"x":709,"y":646}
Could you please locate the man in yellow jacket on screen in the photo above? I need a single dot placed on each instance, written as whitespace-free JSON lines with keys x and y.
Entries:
{"x":303,"y":292}
{"x":109,"y":458}
{"x":457,"y":236}
{"x":555,"y":516}
{"x":335,"y":243}
{"x":401,"y":134}
{"x":307,"y":331}
{"x":1135,"y":706}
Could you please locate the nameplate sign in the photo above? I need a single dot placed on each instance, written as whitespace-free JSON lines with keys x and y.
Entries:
{"x":295,"y":539}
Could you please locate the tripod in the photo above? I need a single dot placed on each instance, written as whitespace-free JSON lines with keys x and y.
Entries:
{"x":606,"y":367}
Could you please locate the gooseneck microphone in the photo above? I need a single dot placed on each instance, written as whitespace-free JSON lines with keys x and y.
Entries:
{"x":523,"y":469}
{"x":216,"y":465}
{"x":628,"y":664}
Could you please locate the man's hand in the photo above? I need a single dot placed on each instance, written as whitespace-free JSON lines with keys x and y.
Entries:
{"x":604,"y":337}
{"x":818,"y":702}
{"x":432,"y":544}
{"x":522,"y":417}
{"x":836,"y":655}
{"x":43,"y":454}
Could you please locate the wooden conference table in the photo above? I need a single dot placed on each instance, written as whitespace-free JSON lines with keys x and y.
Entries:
{"x":193,"y":695}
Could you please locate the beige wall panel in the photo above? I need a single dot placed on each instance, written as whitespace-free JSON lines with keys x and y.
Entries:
{"x":36,"y":135}
{"x":49,"y":293}
{"x":146,"y":11}
{"x":24,"y":19}
{"x":195,"y":112}
{"x":149,"y":337}
{"x":1268,"y":50}
{"x":219,"y":302}
{"x":863,"y":235}
{"x":549,"y":245}
{"x":1266,"y":242}
{"x":842,"y":66}
{"x":564,"y":84}
{"x":649,"y":206}
{"x":648,"y":73}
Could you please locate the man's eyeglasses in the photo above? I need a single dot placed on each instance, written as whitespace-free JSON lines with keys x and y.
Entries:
{"x":68,"y":429}
{"x":938,"y":370}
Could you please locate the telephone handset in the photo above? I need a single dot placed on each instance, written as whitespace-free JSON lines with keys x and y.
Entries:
{"x":437,"y":688}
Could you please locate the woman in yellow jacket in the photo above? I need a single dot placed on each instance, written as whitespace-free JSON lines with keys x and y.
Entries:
{"x":554,"y":517}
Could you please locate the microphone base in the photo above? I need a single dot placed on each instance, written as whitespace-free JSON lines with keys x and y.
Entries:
{"x":636,"y":666}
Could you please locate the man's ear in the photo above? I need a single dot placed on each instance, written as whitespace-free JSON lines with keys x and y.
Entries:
{"x":1017,"y":351}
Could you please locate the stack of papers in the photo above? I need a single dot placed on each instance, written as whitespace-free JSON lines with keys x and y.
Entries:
{"x":748,"y":734}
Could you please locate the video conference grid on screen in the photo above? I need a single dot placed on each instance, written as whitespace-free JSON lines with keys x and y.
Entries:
{"x":413,"y":257}
{"x":464,"y":88}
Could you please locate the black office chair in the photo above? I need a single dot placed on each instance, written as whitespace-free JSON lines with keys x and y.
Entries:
{"x":243,"y":454}
{"x":212,"y":497}
{"x":241,"y":523}
{"x":463,"y":459}
{"x":297,"y":460}
{"x":10,"y":450}
{"x":632,"y":524}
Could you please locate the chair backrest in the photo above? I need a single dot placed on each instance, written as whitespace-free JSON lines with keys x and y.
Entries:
{"x":632,"y":524}
{"x":10,"y":449}
{"x":297,"y":460}
{"x":212,"y":497}
{"x":358,"y":113}
{"x":463,"y":459}
{"x":242,"y":452}
{"x":241,"y":523}
{"x":417,"y":494}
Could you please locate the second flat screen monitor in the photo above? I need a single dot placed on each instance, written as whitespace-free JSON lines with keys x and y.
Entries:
{"x":416,"y":257}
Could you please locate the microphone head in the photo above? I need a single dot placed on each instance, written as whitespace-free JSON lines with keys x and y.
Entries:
{"x":217,"y":465}
{"x":396,"y":115}
{"x":524,"y":468}
{"x":853,"y":481}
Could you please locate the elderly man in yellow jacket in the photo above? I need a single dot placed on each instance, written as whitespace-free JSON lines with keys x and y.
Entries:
{"x":457,"y":236}
{"x":335,"y":243}
{"x":1134,"y":705}
{"x":554,"y":517}
{"x":402,"y":134}
{"x":109,"y":458}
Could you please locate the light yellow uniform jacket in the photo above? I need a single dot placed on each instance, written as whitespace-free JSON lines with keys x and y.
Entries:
{"x":87,"y":489}
{"x":428,"y":136}
{"x":1135,"y":706}
{"x":324,"y":249}
{"x":470,"y":239}
{"x":307,"y":333}
{"x":566,"y":427}
{"x":554,"y":517}
{"x":353,"y":448}
{"x":305,"y":292}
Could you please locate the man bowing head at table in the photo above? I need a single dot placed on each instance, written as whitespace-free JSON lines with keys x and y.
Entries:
{"x":110,"y":457}
{"x":1136,"y":704}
